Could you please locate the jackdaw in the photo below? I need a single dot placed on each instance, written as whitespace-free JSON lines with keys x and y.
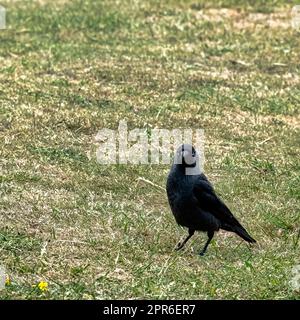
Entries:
{"x":194,"y":202}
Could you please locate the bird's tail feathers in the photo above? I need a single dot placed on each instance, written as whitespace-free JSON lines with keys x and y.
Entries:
{"x":244,"y":234}
{"x":239,"y":230}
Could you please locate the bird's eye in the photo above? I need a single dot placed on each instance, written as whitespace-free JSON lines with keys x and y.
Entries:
{"x":193,"y":153}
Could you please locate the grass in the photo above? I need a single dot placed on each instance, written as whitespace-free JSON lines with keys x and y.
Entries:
{"x":70,"y":68}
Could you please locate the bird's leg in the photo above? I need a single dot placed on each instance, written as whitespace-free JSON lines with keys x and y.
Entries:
{"x":210,"y":236}
{"x":180,"y":244}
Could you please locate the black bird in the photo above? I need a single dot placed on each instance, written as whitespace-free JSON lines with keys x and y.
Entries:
{"x":194,"y":202}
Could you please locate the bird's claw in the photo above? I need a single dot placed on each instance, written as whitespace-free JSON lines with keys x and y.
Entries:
{"x":178,"y":246}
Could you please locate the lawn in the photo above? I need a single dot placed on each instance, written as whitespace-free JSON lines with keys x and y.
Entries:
{"x":92,"y":231}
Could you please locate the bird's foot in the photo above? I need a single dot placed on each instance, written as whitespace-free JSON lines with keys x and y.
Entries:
{"x":179,"y":246}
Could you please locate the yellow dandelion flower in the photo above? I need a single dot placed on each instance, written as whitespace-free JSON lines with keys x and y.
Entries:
{"x":43,"y":286}
{"x":7,"y":281}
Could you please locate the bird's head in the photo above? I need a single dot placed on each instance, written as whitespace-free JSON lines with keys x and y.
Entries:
{"x":187,"y":157}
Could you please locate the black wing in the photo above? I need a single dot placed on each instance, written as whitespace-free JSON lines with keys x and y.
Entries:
{"x":209,"y":201}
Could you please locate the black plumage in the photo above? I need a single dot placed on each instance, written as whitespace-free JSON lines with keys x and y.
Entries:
{"x":194,"y":202}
